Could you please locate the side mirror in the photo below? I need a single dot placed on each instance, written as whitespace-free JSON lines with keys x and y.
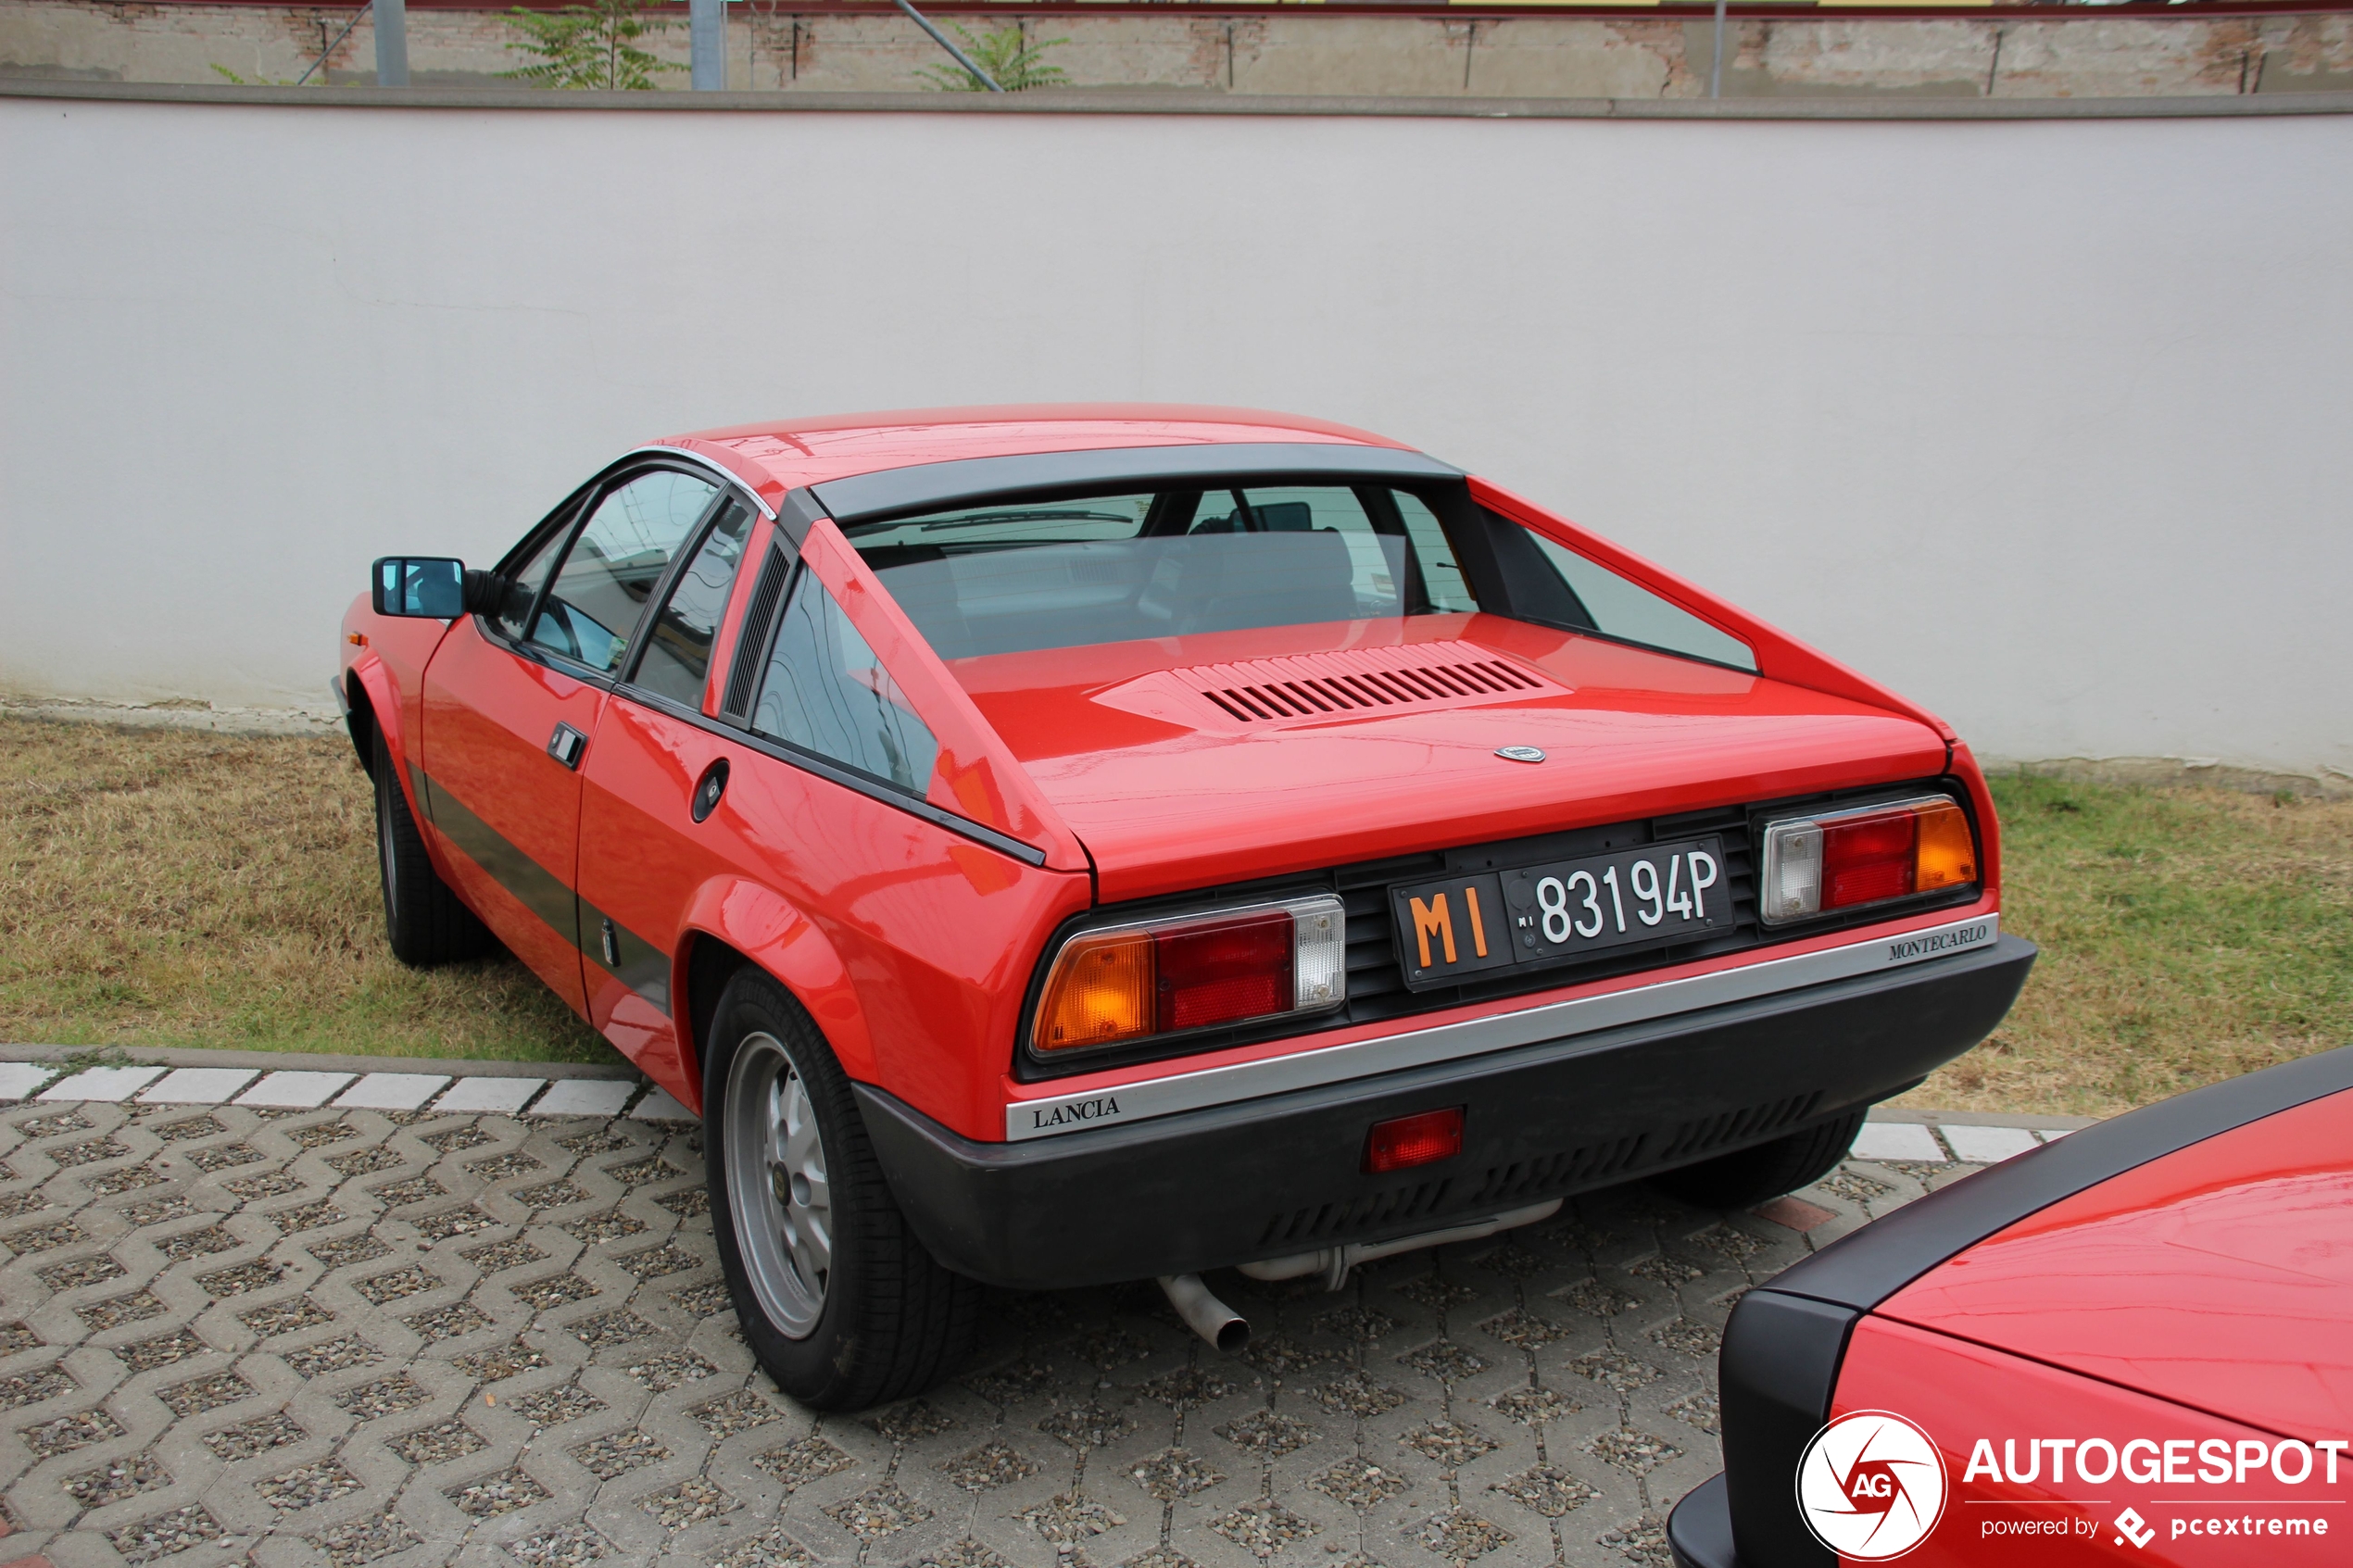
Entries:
{"x":423,"y":585}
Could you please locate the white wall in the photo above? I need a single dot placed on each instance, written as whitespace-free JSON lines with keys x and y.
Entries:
{"x":2044,"y":422}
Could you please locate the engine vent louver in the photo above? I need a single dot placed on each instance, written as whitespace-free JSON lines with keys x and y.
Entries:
{"x":1352,"y":683}
{"x":752,"y":641}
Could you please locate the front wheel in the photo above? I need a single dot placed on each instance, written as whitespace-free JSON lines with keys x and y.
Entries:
{"x":1751,"y":1175}
{"x":840,"y":1303}
{"x":423,"y":918}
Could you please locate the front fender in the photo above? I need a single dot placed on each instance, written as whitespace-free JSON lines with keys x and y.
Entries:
{"x":765,"y":928}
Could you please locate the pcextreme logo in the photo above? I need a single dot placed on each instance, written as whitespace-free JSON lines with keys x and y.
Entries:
{"x":1872,"y":1486}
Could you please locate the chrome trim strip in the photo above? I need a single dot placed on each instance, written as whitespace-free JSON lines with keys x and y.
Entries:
{"x":1554,"y":1021}
{"x":722,"y":470}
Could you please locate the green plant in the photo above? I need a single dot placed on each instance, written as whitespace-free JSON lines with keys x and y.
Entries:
{"x":1005,"y":52}
{"x":256,"y":81}
{"x":591,"y":45}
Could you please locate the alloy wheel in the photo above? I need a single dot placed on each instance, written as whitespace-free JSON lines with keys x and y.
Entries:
{"x":777,"y":1187}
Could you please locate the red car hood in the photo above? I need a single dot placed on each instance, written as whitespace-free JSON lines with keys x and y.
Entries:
{"x":1234,"y":755}
{"x":2219,"y":1278}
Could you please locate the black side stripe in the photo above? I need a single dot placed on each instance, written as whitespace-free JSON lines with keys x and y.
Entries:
{"x":644,"y":968}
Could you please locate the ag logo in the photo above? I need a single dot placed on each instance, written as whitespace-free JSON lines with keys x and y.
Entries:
{"x":1872,"y":1486}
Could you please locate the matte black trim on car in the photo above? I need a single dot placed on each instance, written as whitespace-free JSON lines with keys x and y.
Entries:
{"x":867,"y":497}
{"x":1777,"y":1381}
{"x":801,"y":509}
{"x":1280,"y":1173}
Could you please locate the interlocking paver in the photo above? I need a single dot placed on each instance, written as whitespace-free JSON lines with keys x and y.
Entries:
{"x":1541,"y":1397}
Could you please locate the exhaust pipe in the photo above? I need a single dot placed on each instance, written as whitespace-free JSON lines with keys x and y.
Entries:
{"x":1334,"y":1263}
{"x":1204,"y":1313}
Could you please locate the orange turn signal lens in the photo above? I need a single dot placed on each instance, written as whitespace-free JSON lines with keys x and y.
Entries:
{"x":1944,"y":857}
{"x":1101,"y":992}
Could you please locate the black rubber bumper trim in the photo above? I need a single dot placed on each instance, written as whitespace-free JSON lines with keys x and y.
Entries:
{"x":1264,"y":1177}
{"x":1699,"y":1532}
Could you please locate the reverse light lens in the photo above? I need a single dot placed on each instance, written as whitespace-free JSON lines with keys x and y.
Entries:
{"x":1816,"y":865}
{"x":1414,"y":1140}
{"x":1169,"y":977}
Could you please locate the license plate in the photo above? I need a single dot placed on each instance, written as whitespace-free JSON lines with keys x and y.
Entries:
{"x":1459,"y":925}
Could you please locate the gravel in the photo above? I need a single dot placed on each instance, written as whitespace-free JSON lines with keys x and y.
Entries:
{"x":558,"y":1406}
{"x":117,"y":1311}
{"x":392,"y":1286}
{"x":690,"y":1503}
{"x":449,"y":1140}
{"x":803,"y":1461}
{"x":498,"y":1256}
{"x":45,"y":1238}
{"x":555,"y":1290}
{"x":1187,"y":1388}
{"x":1637,"y":1453}
{"x":1458,"y":1537}
{"x":416,"y":1189}
{"x":1358,"y":1325}
{"x":166,"y":1534}
{"x":1278,"y":1356}
{"x":333,"y":1355}
{"x":553,"y":1195}
{"x":670,"y":1370}
{"x":87,"y":1153}
{"x":1691,"y":1339}
{"x":1643,"y":1542}
{"x":131,"y":1178}
{"x":54,"y":1126}
{"x":1109,"y":1347}
{"x":1531,"y":1407}
{"x":1435,"y":1293}
{"x":1704,"y":1410}
{"x":285,"y":1317}
{"x":1264,"y":1528}
{"x":62,"y":1434}
{"x":15,"y":1205}
{"x":156,"y":1211}
{"x":494,"y":1366}
{"x":610,"y":1226}
{"x":1665,"y":1271}
{"x":112,"y":1483}
{"x":243,"y":1277}
{"x":451,"y":1223}
{"x":776,"y":1550}
{"x":618,"y":1453}
{"x":452,"y":1439}
{"x":31,"y":1387}
{"x":1546,"y":1490}
{"x":704,"y":1300}
{"x":145,"y":1355}
{"x":639,"y":1172}
{"x":1614,"y":1369}
{"x":343,"y":1250}
{"x":658,"y":1261}
{"x":1087,"y":1424}
{"x":731,"y":1413}
{"x":602,"y":1142}
{"x":988,"y":1466}
{"x":505,"y":1167}
{"x":691,"y":1204}
{"x":1524,"y":1329}
{"x":307,"y":1485}
{"x":307,"y":1217}
{"x":318,"y":1135}
{"x":270,"y":1184}
{"x":448,"y":1323}
{"x":495,"y":1495}
{"x":1357,"y":1395}
{"x":1173,"y":1474}
{"x":999,"y":1385}
{"x":364,"y":1540}
{"x":616,"y":1327}
{"x":1359,"y":1484}
{"x":18,"y":1336}
{"x":878,"y":1510}
{"x":81,"y":1271}
{"x":1445,"y":1361}
{"x":386,"y":1396}
{"x":205,"y":1394}
{"x":912,"y":1422}
{"x":363,"y":1161}
{"x":1728,"y":1242}
{"x":1450,"y":1443}
{"x":1269,"y":1433}
{"x":1595,"y":1299}
{"x":248,"y":1438}
{"x":567,"y":1548}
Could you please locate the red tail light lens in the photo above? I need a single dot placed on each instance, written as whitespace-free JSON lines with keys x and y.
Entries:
{"x":1845,"y":859}
{"x":1239,"y":969}
{"x":1414,"y":1140}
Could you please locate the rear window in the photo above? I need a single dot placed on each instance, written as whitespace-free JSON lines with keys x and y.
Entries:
{"x":1009,"y":577}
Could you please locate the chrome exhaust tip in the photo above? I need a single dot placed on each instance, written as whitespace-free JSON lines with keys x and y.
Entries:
{"x":1204,"y":1313}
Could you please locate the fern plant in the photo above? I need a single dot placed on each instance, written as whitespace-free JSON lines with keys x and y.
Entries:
{"x":1013,"y":62}
{"x":590,"y":45}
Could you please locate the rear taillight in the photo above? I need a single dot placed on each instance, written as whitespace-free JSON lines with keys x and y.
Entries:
{"x":1414,"y":1140}
{"x":1843,"y":860}
{"x":1130,"y":983}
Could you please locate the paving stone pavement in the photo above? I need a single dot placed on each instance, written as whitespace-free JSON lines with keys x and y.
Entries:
{"x":280,"y":1336}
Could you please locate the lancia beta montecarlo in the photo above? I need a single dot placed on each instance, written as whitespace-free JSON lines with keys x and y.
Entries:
{"x":1059,"y":846}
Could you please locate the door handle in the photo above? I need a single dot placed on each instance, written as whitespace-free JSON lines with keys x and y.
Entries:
{"x":566,"y":745}
{"x":713,"y":785}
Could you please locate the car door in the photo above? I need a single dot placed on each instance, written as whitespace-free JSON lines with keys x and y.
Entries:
{"x":645,"y":839}
{"x":511,"y":702}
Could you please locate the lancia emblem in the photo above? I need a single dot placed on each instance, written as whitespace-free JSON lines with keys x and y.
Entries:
{"x":1519,"y":753}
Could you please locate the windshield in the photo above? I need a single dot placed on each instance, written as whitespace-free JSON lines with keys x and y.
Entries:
{"x":1013,"y":576}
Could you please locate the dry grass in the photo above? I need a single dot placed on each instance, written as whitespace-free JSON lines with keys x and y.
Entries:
{"x":165,"y":887}
{"x":2187,"y":935}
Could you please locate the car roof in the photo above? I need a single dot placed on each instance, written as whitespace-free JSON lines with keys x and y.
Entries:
{"x":783,"y":455}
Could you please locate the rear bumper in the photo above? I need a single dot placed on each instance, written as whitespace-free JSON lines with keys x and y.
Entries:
{"x":1699,"y":1531}
{"x":1280,"y":1174}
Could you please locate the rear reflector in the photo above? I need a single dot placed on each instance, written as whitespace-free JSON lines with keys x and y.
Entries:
{"x":1845,"y":859}
{"x":1129,"y":982}
{"x":1414,"y":1140}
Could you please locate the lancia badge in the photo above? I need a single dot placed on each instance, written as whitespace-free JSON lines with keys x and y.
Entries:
{"x":1520,"y":753}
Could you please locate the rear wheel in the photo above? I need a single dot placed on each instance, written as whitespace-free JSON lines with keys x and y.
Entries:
{"x":1751,"y":1175}
{"x":841,"y":1303}
{"x":423,"y":918}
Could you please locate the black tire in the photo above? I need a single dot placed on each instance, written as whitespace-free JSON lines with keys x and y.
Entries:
{"x":1751,"y":1175}
{"x":423,"y":918}
{"x":891,"y":1322}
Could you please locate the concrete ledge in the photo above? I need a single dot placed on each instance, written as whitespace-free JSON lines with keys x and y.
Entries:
{"x":1157,"y":101}
{"x":1909,"y":1117}
{"x":316,"y":1061}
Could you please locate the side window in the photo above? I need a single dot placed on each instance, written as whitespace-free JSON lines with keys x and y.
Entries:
{"x":523,"y":583}
{"x":615,"y":564}
{"x":1442,"y":582}
{"x":678,"y":656}
{"x":824,"y":690}
{"x":1622,"y":610}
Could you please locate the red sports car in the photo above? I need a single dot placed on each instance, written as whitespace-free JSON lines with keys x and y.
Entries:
{"x":2135,"y":1344}
{"x":1067,"y":845}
